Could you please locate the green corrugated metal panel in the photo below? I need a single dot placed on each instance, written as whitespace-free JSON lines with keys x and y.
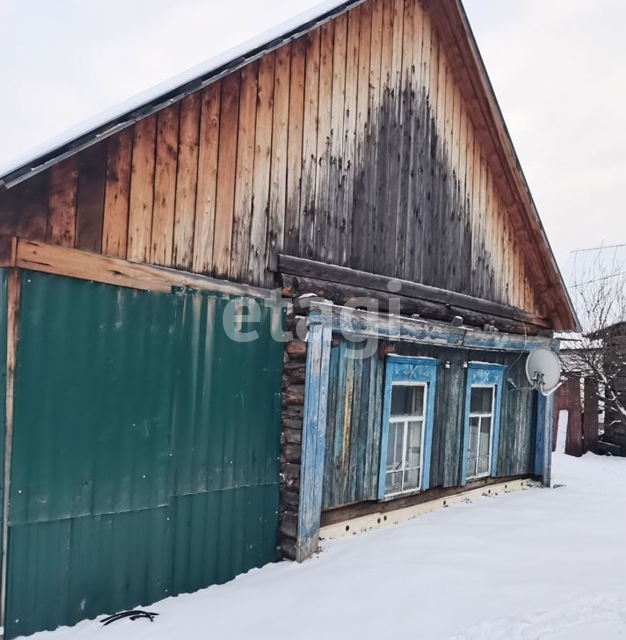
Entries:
{"x":145,"y":450}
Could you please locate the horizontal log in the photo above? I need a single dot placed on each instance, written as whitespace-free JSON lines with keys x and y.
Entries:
{"x":319,"y":271}
{"x":341,"y":294}
{"x":362,"y":324}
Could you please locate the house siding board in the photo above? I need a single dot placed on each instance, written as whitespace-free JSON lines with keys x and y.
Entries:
{"x":165,"y":481}
{"x":383,"y":161}
{"x":353,"y":437}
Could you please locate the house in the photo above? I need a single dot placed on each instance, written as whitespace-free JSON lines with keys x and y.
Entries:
{"x":160,"y":435}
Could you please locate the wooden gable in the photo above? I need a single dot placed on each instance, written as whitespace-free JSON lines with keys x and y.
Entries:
{"x":365,"y":142}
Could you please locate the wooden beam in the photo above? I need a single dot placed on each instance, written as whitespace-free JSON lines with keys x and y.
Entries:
{"x":12,"y":304}
{"x":382,"y":284}
{"x":365,"y":324}
{"x":380,"y":301}
{"x":313,"y":438}
{"x":73,"y":263}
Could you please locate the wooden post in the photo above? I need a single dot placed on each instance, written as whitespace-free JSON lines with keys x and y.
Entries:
{"x":590,"y":415}
{"x":313,"y":436}
{"x":546,"y":472}
{"x":574,"y":440}
{"x":543,"y":433}
{"x":13,"y":298}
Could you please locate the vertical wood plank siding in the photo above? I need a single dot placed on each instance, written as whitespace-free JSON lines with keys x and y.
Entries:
{"x":354,"y":420}
{"x":353,"y":144}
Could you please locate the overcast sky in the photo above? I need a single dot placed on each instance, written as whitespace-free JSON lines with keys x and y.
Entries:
{"x":558,"y":67}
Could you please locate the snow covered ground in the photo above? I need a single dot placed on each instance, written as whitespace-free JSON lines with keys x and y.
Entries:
{"x":545,"y":564}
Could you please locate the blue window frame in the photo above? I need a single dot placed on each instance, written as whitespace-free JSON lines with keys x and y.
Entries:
{"x":407,"y":429}
{"x":481,"y":426}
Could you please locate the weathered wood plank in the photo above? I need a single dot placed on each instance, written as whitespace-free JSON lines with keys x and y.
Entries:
{"x":360,"y":202}
{"x":262,"y":168}
{"x":314,"y":440}
{"x":186,"y":181}
{"x":63,"y":261}
{"x":309,"y":145}
{"x":244,"y":178}
{"x":162,"y":243}
{"x":295,"y":147}
{"x":350,"y":136}
{"x":207,"y":178}
{"x":117,"y":194}
{"x":279,"y":160}
{"x":227,"y":163}
{"x":62,"y":203}
{"x":335,"y":201}
{"x":322,"y":243}
{"x":90,"y":199}
{"x":343,"y":275}
{"x":142,"y":190}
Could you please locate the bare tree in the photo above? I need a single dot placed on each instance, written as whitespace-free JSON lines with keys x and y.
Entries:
{"x":599,"y":295}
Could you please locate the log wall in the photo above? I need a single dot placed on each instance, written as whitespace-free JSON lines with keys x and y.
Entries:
{"x":354,"y":144}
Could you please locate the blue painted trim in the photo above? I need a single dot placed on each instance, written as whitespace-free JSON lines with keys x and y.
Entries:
{"x":440,"y":334}
{"x":540,"y":436}
{"x":546,"y":474}
{"x":483,"y":373}
{"x":313,"y":438}
{"x":405,"y":369}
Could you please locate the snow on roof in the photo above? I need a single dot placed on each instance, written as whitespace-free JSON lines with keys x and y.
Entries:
{"x":111,"y":120}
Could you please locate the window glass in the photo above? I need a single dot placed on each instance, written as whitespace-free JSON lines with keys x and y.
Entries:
{"x":480,"y":431}
{"x":404,"y":445}
{"x":407,"y":400}
{"x":481,"y":400}
{"x":485,"y":436}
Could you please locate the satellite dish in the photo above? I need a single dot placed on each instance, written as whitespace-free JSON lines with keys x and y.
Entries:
{"x":543,"y":370}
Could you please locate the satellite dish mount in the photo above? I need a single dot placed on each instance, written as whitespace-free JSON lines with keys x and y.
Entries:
{"x":543,"y":370}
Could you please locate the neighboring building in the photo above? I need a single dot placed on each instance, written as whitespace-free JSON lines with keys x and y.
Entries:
{"x":142,"y":452}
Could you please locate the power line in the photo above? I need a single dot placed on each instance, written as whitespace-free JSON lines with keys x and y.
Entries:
{"x":601,"y":248}
{"x":613,"y":275}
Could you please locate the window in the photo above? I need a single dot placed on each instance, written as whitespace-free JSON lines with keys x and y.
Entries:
{"x":404,"y":445}
{"x":482,"y":420}
{"x":407,"y":425}
{"x":481,"y":431}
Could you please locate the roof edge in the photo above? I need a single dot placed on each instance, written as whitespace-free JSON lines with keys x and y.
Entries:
{"x":571,"y":322}
{"x":160,"y":96}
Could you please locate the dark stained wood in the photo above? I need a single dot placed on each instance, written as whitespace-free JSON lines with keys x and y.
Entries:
{"x":277,"y":205}
{"x":349,"y":512}
{"x":309,"y":145}
{"x":62,"y":203}
{"x":244,"y":183}
{"x":342,"y":275}
{"x":90,"y":200}
{"x":381,"y":301}
{"x":258,"y":219}
{"x":295,"y":146}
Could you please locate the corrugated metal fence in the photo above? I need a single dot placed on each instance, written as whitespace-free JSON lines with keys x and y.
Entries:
{"x":145,"y":449}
